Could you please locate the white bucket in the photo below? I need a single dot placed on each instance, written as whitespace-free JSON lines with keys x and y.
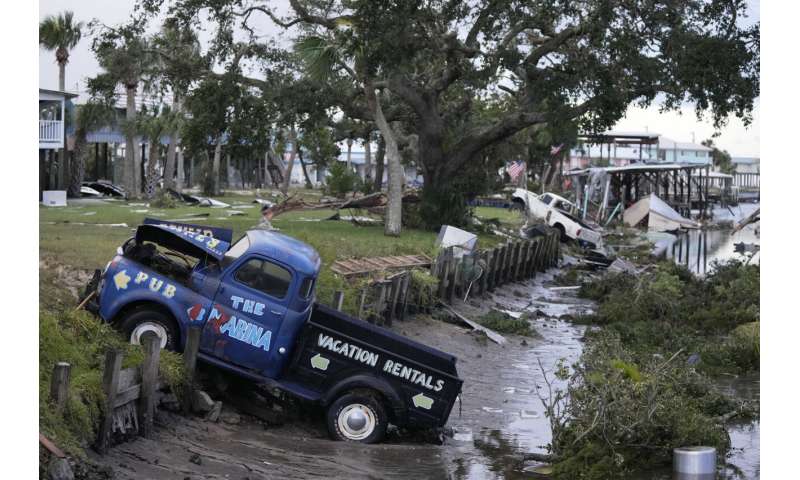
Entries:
{"x":694,"y":463}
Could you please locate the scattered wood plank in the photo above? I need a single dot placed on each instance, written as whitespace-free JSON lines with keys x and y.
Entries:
{"x":493,"y":336}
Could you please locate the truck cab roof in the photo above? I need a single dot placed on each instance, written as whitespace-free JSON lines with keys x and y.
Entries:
{"x":301,"y":256}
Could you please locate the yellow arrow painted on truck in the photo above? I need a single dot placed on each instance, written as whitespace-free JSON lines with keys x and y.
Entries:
{"x":421,"y":401}
{"x":319,"y":362}
{"x":121,"y":280}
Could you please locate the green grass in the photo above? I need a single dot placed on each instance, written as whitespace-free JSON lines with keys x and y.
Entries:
{"x":73,"y":237}
{"x":506,"y":216}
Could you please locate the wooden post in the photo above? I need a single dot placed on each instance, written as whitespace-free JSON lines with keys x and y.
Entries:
{"x":405,"y":288}
{"x":380,"y":304}
{"x":113,"y":363}
{"x":498,"y":270}
{"x":451,"y":281}
{"x":361,"y":302}
{"x":523,"y":255}
{"x":190,"y":363}
{"x":395,"y":295}
{"x":59,"y":385}
{"x":444,"y":272}
{"x":494,"y":256}
{"x":147,"y":400}
{"x":338,"y":299}
{"x":532,"y":260}
{"x":484,"y":281}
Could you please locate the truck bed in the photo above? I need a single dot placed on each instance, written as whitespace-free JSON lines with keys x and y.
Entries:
{"x":419,"y":382}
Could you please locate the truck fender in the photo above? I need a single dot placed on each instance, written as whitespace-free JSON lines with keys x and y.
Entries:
{"x":139,"y":298}
{"x":398,"y":409}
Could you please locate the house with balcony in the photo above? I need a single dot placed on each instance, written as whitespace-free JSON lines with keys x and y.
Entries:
{"x":52,"y":111}
{"x":54,"y":107}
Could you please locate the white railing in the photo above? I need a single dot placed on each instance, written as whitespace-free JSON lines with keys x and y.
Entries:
{"x":50,"y":130}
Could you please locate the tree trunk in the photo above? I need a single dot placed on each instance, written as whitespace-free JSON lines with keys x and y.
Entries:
{"x":192,"y":177}
{"x":379,"y":164}
{"x":169,"y":165}
{"x":78,"y":167}
{"x":309,"y":185}
{"x":367,"y":160}
{"x":394,"y":209}
{"x":151,"y":177}
{"x":349,"y":153}
{"x":215,"y":165}
{"x":179,"y":182}
{"x":132,"y":159}
{"x":62,"y":78}
{"x":287,"y":177}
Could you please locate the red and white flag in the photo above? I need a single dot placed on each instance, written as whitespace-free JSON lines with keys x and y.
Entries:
{"x":515,"y":169}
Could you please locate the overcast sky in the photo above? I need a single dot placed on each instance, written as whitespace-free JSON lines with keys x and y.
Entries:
{"x":680,"y":126}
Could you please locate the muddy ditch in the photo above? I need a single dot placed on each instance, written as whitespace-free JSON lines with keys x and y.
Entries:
{"x":500,"y":417}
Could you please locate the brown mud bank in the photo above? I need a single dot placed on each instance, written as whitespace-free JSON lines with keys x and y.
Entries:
{"x":500,"y":417}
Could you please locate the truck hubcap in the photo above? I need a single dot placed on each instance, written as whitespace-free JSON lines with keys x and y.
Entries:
{"x":142,"y":328}
{"x":356,"y":421}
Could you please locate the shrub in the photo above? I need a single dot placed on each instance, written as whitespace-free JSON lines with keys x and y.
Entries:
{"x":163,"y":199}
{"x":341,"y":180}
{"x":622,"y":415}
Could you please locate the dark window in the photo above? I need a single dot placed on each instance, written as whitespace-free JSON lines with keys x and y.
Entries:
{"x":264,"y":276}
{"x":307,"y":287}
{"x":546,"y":199}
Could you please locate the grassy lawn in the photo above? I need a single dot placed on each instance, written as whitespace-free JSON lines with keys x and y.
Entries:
{"x":85,"y":236}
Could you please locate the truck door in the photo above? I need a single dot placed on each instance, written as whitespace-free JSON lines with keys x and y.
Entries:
{"x":248,"y":310}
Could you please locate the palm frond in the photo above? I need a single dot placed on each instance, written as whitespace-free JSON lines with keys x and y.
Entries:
{"x":318,"y":56}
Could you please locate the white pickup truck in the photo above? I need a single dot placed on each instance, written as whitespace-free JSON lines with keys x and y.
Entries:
{"x":557,"y":212}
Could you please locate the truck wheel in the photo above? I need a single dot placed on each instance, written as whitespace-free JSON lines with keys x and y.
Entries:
{"x":562,"y":232}
{"x":357,"y":416}
{"x":136,"y":323}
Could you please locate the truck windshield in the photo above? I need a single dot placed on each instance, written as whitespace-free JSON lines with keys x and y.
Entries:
{"x":236,"y":251}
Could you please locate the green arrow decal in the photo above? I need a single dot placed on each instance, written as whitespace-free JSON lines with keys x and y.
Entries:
{"x":421,"y":401}
{"x":319,"y":362}
{"x":121,"y":280}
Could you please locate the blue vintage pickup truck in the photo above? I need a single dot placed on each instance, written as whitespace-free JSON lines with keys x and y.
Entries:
{"x":254,"y":300}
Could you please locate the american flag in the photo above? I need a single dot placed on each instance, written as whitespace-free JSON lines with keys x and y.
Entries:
{"x":555,"y":149}
{"x":515,"y":169}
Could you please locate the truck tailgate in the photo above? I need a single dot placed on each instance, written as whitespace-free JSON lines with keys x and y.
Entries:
{"x":335,"y":347}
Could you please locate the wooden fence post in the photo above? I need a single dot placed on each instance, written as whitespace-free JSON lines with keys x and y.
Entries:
{"x":59,"y":385}
{"x":380,"y":304}
{"x":113,"y":363}
{"x":338,"y":299}
{"x":453,"y":278}
{"x":147,"y":400}
{"x":361,"y":303}
{"x":531,"y":267}
{"x":395,"y":295}
{"x":498,"y":277}
{"x":444,"y":272}
{"x":405,"y":288}
{"x":509,"y":263}
{"x":190,"y":364}
{"x":520,"y":259}
{"x":487,"y":258}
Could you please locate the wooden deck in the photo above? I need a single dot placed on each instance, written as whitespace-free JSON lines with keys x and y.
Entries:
{"x":359,"y":266}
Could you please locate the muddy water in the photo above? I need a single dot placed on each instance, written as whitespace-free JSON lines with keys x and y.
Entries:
{"x":500,"y":418}
{"x":699,"y":249}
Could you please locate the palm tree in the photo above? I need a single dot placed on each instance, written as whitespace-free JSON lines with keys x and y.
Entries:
{"x":127,"y":58}
{"x":60,"y":33}
{"x":91,"y":116}
{"x":153,"y":126}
